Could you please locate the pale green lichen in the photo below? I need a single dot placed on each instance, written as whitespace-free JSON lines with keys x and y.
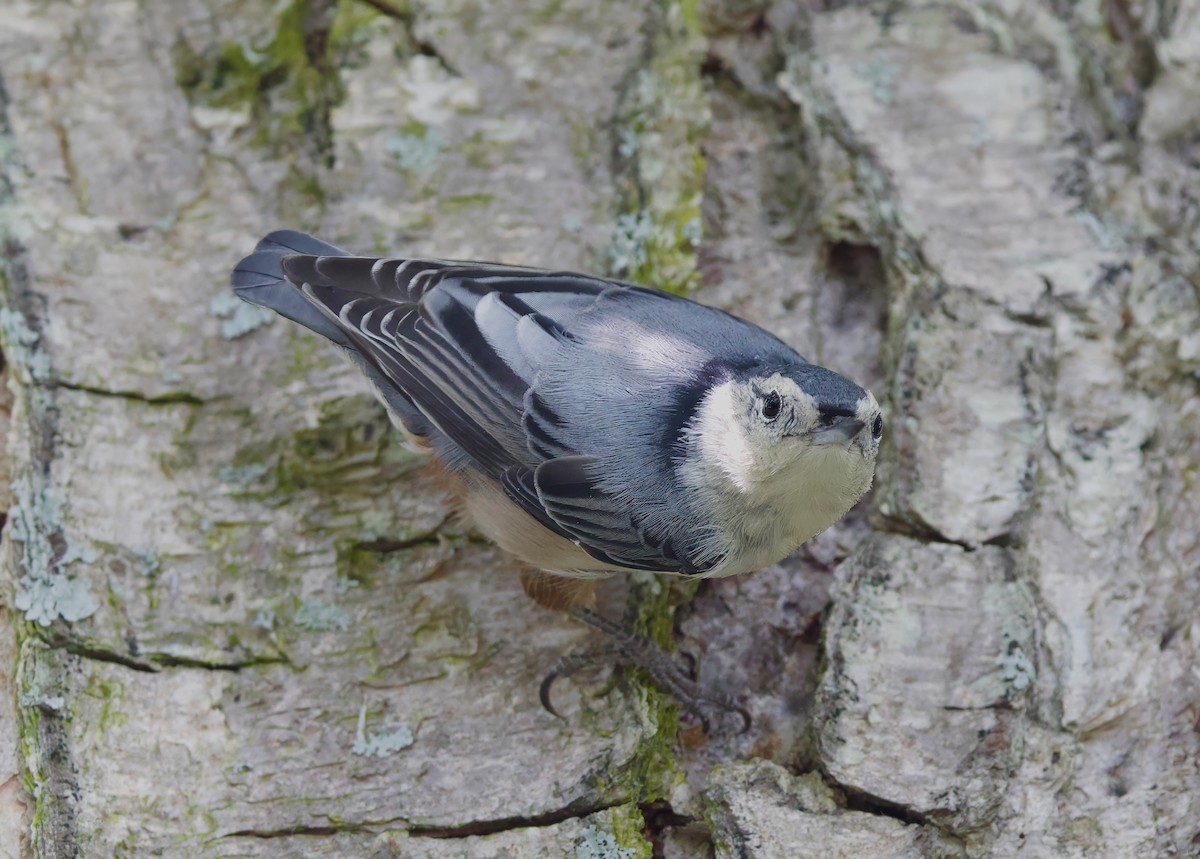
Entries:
{"x":238,"y":317}
{"x":628,"y":251}
{"x":21,"y":346}
{"x":45,"y":589}
{"x":1016,"y":668}
{"x":320,"y":616}
{"x":594,"y":843}
{"x":45,"y":592}
{"x":614,"y":834}
{"x":44,"y":600}
{"x":383,"y":745}
{"x":77,"y":551}
{"x":415,"y":151}
{"x":149,"y":564}
{"x":881,"y":74}
{"x":49,"y":702}
{"x":242,"y":476}
{"x":1010,"y":605}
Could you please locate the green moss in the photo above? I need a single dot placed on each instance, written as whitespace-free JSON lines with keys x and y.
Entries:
{"x":628,"y":824}
{"x":463,"y":201}
{"x":353,"y":447}
{"x":449,"y":619}
{"x":548,"y":13}
{"x":370,"y":567}
{"x":285,"y":76}
{"x":308,"y":352}
{"x":664,"y":121}
{"x":41,"y":686}
{"x":479,"y":152}
{"x":299,"y":189}
{"x":108,"y":695}
{"x":618,"y":837}
{"x":689,"y":14}
{"x":41,"y":690}
{"x":653,"y":769}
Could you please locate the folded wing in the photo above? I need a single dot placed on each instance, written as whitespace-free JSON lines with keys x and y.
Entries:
{"x":464,"y":343}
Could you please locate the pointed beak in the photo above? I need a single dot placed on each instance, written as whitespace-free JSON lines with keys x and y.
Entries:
{"x":841,"y":431}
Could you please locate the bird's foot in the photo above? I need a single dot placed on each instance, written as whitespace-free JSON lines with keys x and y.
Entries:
{"x":629,"y":649}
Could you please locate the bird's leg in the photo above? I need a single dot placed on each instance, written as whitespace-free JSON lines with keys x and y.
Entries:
{"x":577,"y":597}
{"x":636,"y":651}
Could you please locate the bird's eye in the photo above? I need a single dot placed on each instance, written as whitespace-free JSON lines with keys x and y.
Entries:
{"x":877,"y":427}
{"x":771,"y":406}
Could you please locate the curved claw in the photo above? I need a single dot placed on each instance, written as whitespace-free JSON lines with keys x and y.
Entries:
{"x":747,"y":721}
{"x":544,"y":691}
{"x":721,"y":705}
{"x":565,"y":667}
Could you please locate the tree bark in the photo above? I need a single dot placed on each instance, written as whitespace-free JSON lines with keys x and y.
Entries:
{"x":240,"y":621}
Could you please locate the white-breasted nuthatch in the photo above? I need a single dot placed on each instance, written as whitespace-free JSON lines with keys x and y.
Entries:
{"x":591,"y":427}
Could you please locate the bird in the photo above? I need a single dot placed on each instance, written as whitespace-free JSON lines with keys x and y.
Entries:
{"x":589,"y":427}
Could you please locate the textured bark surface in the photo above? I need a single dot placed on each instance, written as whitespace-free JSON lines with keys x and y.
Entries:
{"x":239,"y":620}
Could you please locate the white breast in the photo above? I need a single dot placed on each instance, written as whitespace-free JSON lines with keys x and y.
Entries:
{"x":775,"y":517}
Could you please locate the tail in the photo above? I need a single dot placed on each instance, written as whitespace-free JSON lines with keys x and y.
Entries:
{"x":260,"y":279}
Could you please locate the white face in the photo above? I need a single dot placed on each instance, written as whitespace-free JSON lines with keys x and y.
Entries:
{"x":781,"y":423}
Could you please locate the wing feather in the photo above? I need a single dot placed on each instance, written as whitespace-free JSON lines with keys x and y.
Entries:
{"x":568,"y":490}
{"x":465,"y":342}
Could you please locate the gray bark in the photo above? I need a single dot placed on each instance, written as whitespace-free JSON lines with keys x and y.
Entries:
{"x":240,"y":621}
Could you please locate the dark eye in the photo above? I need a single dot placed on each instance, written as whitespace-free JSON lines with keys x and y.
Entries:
{"x":877,"y":427}
{"x":771,"y":406}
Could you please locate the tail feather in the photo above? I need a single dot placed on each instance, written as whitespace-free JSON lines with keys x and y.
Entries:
{"x":288,"y":242}
{"x":261,"y":279}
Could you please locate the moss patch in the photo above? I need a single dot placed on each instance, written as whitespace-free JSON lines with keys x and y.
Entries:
{"x":621,"y":840}
{"x":353,"y":447}
{"x":286,"y":76}
{"x":665,"y":117}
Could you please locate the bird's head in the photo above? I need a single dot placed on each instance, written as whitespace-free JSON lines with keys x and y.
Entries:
{"x":796,"y":429}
